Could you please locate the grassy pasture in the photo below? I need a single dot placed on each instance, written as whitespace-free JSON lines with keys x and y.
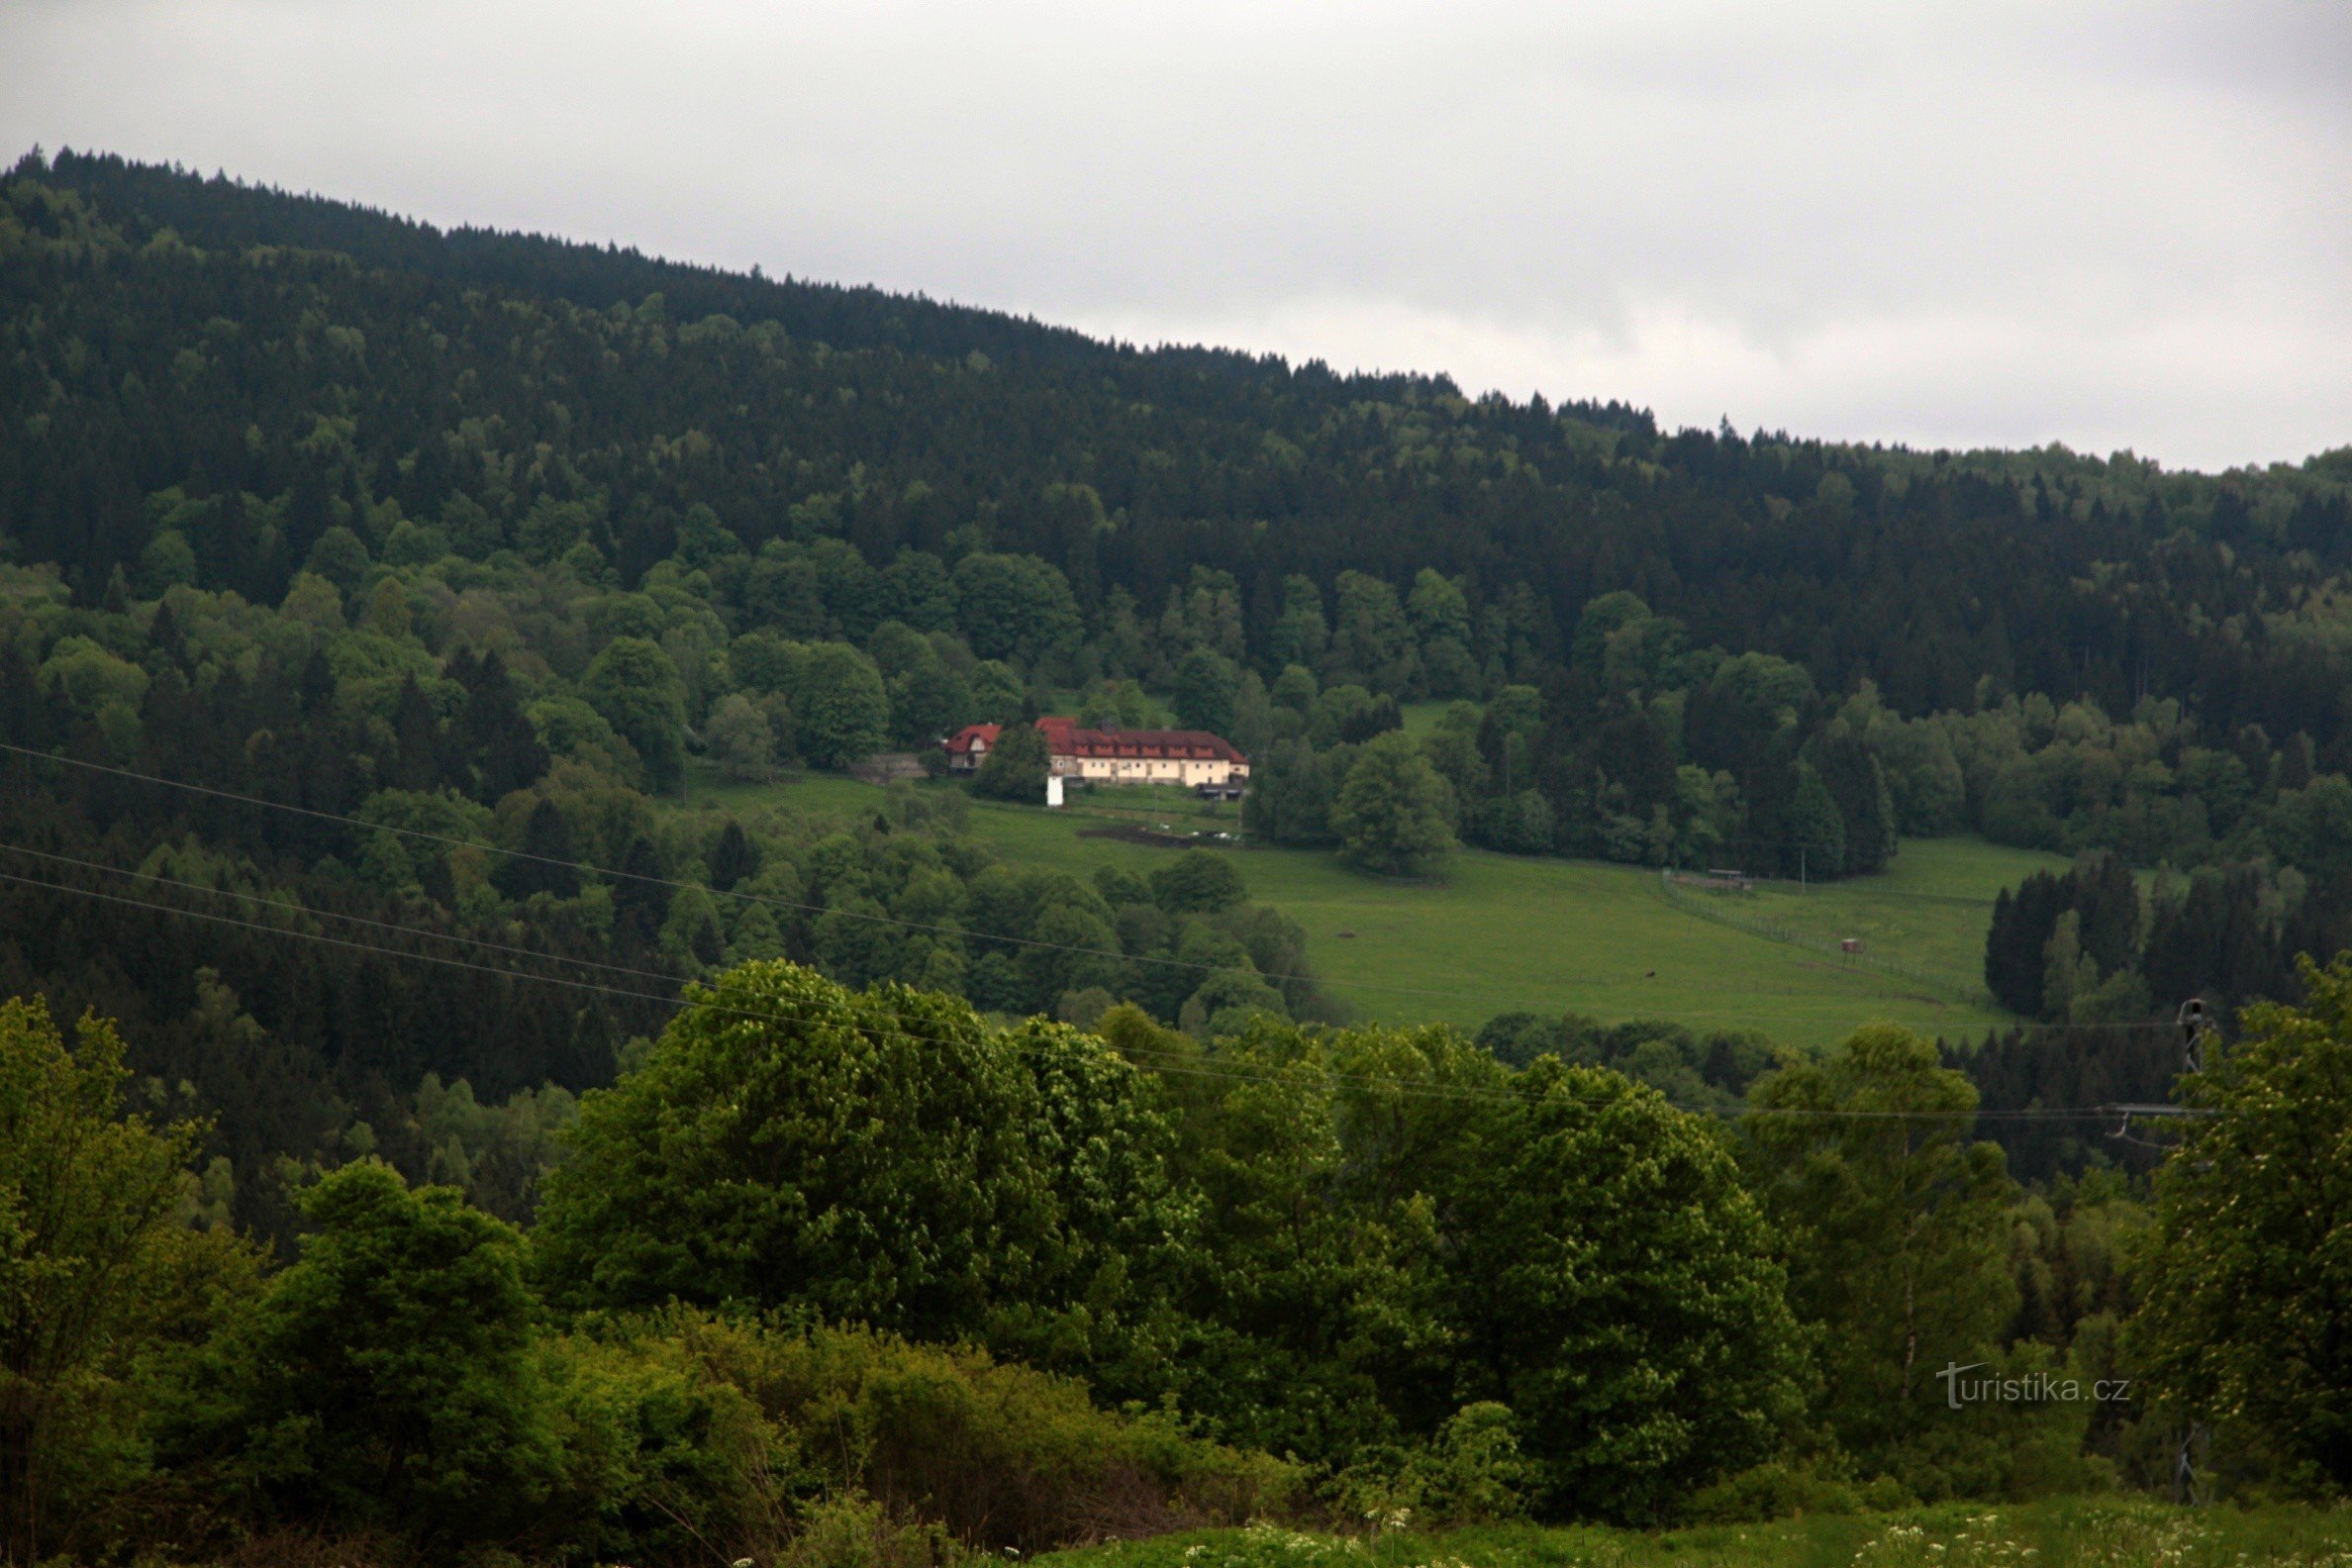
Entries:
{"x":1503,"y":932}
{"x":2063,"y":1532}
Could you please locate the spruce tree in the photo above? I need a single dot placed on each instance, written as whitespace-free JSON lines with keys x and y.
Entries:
{"x":733,"y":858}
{"x":544,"y":865}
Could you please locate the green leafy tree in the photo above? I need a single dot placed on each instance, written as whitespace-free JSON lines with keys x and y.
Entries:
{"x":839,"y":707}
{"x":1301,"y":635}
{"x":1292,"y":788}
{"x":858,"y":1153}
{"x":96,"y":1268}
{"x":1016,"y":607}
{"x":740,"y":737}
{"x":1015,"y":767}
{"x":1611,"y":1280}
{"x":1395,"y":813}
{"x":1817,"y":833}
{"x":1206,"y":683}
{"x":878,"y":1157}
{"x":1198,"y":882}
{"x":636,"y":689}
{"x":1897,"y":1230}
{"x":339,"y":558}
{"x":1370,"y":638}
{"x":390,"y":1377}
{"x":2248,"y":1314}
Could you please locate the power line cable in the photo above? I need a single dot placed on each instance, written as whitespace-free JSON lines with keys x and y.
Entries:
{"x":673,"y":883}
{"x":818,"y":909}
{"x":1166,"y":1062}
{"x":655,"y":999}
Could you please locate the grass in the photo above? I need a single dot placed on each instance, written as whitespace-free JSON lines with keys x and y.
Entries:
{"x":1422,"y":717}
{"x":1909,"y":911}
{"x":2065,"y":1532}
{"x":1502,"y":934}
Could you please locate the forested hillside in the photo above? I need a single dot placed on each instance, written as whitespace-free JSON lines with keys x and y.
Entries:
{"x":371,"y":598}
{"x":480,"y":535}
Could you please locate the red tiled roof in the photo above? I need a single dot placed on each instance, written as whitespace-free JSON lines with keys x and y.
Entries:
{"x":1064,"y":738}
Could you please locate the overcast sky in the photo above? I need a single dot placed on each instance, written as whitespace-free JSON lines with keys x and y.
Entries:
{"x":2123,"y":225}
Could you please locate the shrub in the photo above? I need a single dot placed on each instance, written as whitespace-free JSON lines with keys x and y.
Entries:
{"x":997,"y":1453}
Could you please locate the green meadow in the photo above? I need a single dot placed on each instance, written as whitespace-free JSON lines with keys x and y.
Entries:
{"x":1502,"y":934}
{"x":2065,"y":1532}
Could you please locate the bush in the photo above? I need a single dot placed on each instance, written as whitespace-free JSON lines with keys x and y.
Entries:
{"x":660,"y":1461}
{"x":998,"y":1454}
{"x":1780,"y":1490}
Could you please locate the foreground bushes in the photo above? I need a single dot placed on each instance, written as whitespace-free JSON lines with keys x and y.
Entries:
{"x":400,"y":1379}
{"x":1112,"y":1273}
{"x":999,"y":1454}
{"x":401,"y":1391}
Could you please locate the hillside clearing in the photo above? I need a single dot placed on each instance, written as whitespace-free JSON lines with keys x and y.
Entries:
{"x":1504,"y":933}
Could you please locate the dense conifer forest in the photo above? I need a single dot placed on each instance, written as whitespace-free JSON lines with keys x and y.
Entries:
{"x":368,"y":592}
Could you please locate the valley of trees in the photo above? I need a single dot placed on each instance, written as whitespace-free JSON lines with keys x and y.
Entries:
{"x":367,"y":594}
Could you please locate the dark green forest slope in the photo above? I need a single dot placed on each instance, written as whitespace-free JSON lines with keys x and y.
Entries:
{"x":477,"y":536}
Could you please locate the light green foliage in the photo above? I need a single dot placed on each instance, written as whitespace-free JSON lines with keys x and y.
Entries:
{"x":2312,"y":826}
{"x":1371,"y":642}
{"x":1397,"y":1225}
{"x":314,"y":602}
{"x":660,"y":1459}
{"x":494,"y":1153}
{"x":1897,"y":1231}
{"x":998,"y":1454}
{"x":840,"y":708}
{"x":85,"y":675}
{"x":1301,"y":635}
{"x":1227,"y":1003}
{"x":2248,"y":1319}
{"x":737,"y":737}
{"x":1471,"y":1473}
{"x":569,"y":728}
{"x":168,"y":560}
{"x":1394,"y":814}
{"x":96,"y":1269}
{"x":1451,"y":745}
{"x":339,"y":558}
{"x":635,"y":686}
{"x":874,"y":1156}
{"x":1814,"y":826}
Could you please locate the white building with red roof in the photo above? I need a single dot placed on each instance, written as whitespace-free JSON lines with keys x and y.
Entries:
{"x":1109,"y":755}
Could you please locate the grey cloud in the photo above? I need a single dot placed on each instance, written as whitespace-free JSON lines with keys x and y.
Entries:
{"x":2108,"y":224}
